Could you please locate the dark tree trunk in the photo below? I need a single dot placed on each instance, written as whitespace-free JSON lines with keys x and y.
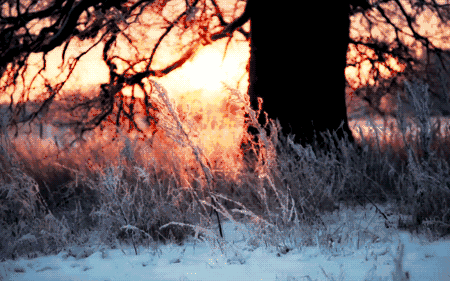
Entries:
{"x":297,"y":63}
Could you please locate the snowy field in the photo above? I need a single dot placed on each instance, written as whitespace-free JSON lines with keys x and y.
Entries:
{"x":355,"y":245}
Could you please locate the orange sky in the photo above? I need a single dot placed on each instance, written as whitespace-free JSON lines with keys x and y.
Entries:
{"x":206,"y":72}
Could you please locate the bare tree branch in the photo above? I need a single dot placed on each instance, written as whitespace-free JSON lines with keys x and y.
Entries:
{"x":403,"y":26}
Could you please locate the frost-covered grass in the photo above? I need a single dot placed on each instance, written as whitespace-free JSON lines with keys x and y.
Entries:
{"x":139,"y":198}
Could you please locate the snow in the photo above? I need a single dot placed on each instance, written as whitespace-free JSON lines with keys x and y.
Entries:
{"x":367,"y":251}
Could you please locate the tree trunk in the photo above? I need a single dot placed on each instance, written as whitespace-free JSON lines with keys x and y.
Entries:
{"x":297,"y":66}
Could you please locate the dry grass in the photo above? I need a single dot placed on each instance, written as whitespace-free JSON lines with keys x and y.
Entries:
{"x":141,"y":192}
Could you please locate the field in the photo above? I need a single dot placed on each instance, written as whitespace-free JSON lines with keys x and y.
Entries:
{"x":147,"y":202}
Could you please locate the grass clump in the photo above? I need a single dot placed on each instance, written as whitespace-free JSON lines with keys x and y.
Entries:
{"x":142,"y":192}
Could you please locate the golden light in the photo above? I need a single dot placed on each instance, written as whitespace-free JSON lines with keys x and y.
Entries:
{"x":199,"y":94}
{"x":206,"y":71}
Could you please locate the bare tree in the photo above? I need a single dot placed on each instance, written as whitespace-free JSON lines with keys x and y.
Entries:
{"x":401,"y":40}
{"x":297,"y":66}
{"x":298,"y":69}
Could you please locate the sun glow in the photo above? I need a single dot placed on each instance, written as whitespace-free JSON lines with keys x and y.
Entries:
{"x":207,"y":70}
{"x":214,"y":116}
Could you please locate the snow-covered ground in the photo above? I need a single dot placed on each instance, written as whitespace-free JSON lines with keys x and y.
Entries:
{"x":367,"y":251}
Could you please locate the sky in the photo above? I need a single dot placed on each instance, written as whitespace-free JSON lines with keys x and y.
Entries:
{"x":205,"y":71}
